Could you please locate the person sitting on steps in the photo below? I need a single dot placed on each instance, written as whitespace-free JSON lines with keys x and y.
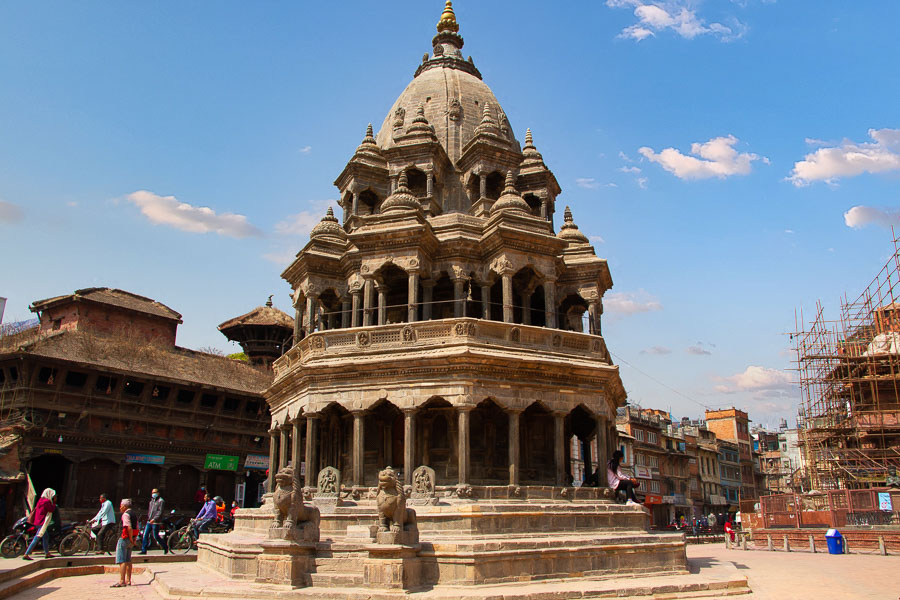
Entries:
{"x":618,"y":481}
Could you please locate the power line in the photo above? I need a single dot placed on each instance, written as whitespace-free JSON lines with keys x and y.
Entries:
{"x":648,"y":376}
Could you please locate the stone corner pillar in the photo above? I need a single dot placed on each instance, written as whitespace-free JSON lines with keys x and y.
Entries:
{"x":284,"y":445}
{"x":296,"y":456}
{"x":559,"y":447}
{"x":515,"y":460}
{"x":312,"y":426}
{"x":409,"y":444}
{"x":507,"y":297}
{"x":358,"y":446}
{"x":464,"y":414}
{"x":273,"y":459}
{"x":413,"y":297}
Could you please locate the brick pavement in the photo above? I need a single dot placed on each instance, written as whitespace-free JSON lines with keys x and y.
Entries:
{"x":91,"y":586}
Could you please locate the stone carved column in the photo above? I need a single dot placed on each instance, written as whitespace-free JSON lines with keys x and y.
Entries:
{"x":368,"y":300}
{"x":296,"y":450}
{"x":507,"y":298}
{"x":482,"y":185}
{"x":459,"y":297}
{"x":429,"y":184}
{"x":346,"y":307}
{"x":526,"y":306}
{"x":298,"y":321}
{"x":354,"y":307}
{"x":409,"y":444}
{"x":550,"y":303}
{"x":413,"y":296}
{"x":559,"y":448}
{"x":358,"y":446}
{"x":382,"y":303}
{"x":355,"y":204}
{"x":514,"y":450}
{"x":593,"y":317}
{"x":284,"y":445}
{"x":427,"y":289}
{"x":545,"y":213}
{"x":485,"y":302}
{"x":464,"y":413}
{"x":273,"y":460}
{"x":312,"y":310}
{"x":312,"y":467}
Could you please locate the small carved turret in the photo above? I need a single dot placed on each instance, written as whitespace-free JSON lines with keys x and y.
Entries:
{"x":402,"y":198}
{"x":420,"y":125}
{"x":448,"y":19}
{"x":510,"y":199}
{"x":328,"y":226}
{"x":569,"y":230}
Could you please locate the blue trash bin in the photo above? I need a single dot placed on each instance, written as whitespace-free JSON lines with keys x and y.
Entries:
{"x":835,"y":541}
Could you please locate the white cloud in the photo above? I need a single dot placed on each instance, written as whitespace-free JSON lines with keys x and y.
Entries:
{"x":301,"y":223}
{"x":588,"y":183}
{"x":630,"y":169}
{"x":167,"y":210}
{"x":717,"y":158}
{"x":699,"y":349}
{"x":10,"y":213}
{"x":597,"y":239}
{"x":849,"y":159}
{"x":678,"y":16}
{"x":624,"y":157}
{"x":860,"y":216}
{"x":305,"y":150}
{"x":629,"y":303}
{"x":789,"y":231}
{"x":755,"y":379}
{"x":658,"y":350}
{"x":642,"y":182}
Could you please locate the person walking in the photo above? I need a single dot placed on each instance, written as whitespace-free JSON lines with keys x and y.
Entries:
{"x":619,"y":481}
{"x":151,"y":529}
{"x":41,"y":517}
{"x":125,"y":543}
{"x":200,"y":497}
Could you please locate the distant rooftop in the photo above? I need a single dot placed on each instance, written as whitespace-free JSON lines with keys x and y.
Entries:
{"x":110,"y":297}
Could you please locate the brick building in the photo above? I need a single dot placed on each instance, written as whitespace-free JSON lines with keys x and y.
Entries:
{"x":733,"y":425}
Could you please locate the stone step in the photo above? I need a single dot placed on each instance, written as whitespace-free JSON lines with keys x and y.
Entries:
{"x":333,"y":580}
{"x":340,"y":565}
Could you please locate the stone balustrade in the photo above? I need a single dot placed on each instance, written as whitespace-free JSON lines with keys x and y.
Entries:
{"x":423,"y":335}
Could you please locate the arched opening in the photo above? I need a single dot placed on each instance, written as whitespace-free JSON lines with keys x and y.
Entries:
{"x":494,"y":185}
{"x":442,"y":298}
{"x":221,"y":483}
{"x":436,"y":436}
{"x":182,"y":482}
{"x":367,"y":203}
{"x":497,"y":300}
{"x":538,"y":307}
{"x":489,"y":435}
{"x":417,"y":182}
{"x":336,"y":432}
{"x":525,"y":281}
{"x":383,"y":441}
{"x":473,"y":188}
{"x":474,"y":306}
{"x":140,"y":479}
{"x":95,"y":476}
{"x":581,"y":425}
{"x":536,"y":443}
{"x":396,"y":298}
{"x":347,"y":205}
{"x":331,"y":309}
{"x":571,"y":312}
{"x":51,"y":471}
{"x":534,"y":203}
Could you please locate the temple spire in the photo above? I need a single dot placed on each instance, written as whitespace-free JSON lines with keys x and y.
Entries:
{"x":448,"y":19}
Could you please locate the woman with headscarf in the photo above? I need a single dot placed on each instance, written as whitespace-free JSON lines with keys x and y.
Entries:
{"x":41,"y":518}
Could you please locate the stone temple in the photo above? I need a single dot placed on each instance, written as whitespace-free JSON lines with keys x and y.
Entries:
{"x":447,"y":350}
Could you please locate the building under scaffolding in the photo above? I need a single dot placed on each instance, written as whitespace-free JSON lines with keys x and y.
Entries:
{"x":849,"y":418}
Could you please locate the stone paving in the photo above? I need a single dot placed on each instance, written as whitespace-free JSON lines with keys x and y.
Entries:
{"x":772,"y":575}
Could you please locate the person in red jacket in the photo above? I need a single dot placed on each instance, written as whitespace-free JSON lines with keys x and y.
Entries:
{"x":40,"y":518}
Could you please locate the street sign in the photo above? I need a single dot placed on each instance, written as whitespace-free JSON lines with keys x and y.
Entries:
{"x":145,"y":459}
{"x":221,"y":462}
{"x":256,"y":461}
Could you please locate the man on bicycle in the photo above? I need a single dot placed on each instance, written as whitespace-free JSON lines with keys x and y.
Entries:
{"x":105,"y":516}
{"x":206,"y":516}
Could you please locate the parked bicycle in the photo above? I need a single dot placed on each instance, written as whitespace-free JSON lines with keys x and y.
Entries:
{"x":183,"y":540}
{"x":81,"y":540}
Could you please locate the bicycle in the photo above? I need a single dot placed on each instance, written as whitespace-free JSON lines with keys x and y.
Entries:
{"x":81,"y":540}
{"x":183,"y":540}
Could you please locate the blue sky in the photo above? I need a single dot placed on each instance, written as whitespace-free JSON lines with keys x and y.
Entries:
{"x":734,"y":161}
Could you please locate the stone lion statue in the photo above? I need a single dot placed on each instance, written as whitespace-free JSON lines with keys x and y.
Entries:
{"x":391,"y":501}
{"x":289,"y":508}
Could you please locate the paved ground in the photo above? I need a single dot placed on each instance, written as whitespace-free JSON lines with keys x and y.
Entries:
{"x":806,"y":576}
{"x":772,"y":575}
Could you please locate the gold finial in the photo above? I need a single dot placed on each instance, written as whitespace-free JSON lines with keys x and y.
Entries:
{"x":448,"y":19}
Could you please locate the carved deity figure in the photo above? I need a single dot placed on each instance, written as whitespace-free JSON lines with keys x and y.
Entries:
{"x":423,"y":482}
{"x":329,"y":482}
{"x":391,"y":502}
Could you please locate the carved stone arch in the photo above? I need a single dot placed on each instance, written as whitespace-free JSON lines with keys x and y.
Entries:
{"x":369,"y":201}
{"x":537,"y":442}
{"x":383,"y":439}
{"x":436,"y":437}
{"x":489,"y":441}
{"x":417,"y":180}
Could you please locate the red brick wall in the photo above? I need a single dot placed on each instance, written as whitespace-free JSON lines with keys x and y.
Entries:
{"x":108,"y":321}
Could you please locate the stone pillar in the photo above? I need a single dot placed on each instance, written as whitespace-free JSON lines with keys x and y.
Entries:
{"x":413,"y":296}
{"x":459,"y":297}
{"x":298,"y":322}
{"x":463,"y":448}
{"x":273,"y":460}
{"x":507,"y":298}
{"x":482,"y":185}
{"x":283,"y":446}
{"x":296,"y":451}
{"x":427,"y":289}
{"x":594,"y":317}
{"x":485,"y":302}
{"x":354,"y":308}
{"x":559,"y":448}
{"x":358,"y":446}
{"x":586,"y":456}
{"x":312,"y":467}
{"x":346,"y":307}
{"x":355,"y":204}
{"x":550,"y":303}
{"x":312,"y":310}
{"x":526,"y":307}
{"x":429,"y":184}
{"x":368,"y":301}
{"x":514,"y":458}
{"x":545,"y":213}
{"x":382,"y":303}
{"x":409,"y":444}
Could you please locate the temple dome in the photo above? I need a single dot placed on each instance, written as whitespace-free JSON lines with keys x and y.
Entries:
{"x":328,"y":226}
{"x":453,"y":100}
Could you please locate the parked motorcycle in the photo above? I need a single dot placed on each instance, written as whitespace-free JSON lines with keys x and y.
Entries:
{"x":15,"y":543}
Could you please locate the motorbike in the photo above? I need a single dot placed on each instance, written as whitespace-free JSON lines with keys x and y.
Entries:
{"x":184,"y":540}
{"x":15,"y":543}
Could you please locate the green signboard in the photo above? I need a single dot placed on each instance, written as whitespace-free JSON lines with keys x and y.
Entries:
{"x":221,"y":462}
